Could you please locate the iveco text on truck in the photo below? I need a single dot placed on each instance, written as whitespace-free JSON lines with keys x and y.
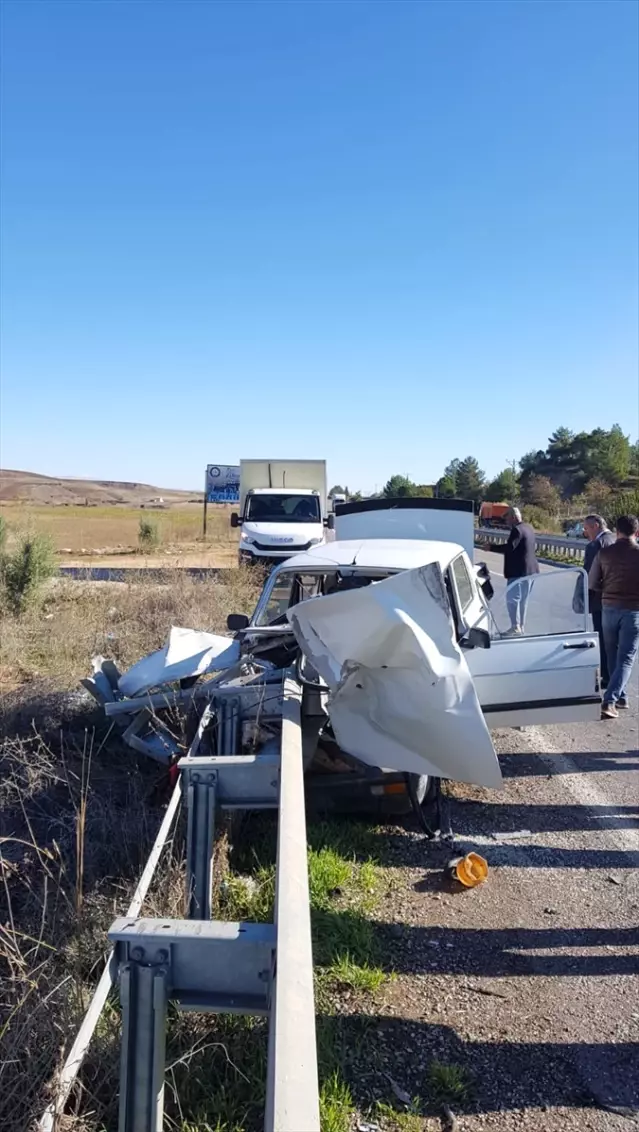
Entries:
{"x":282,"y":509}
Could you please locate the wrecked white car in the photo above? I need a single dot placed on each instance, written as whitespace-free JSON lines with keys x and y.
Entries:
{"x":403,"y":661}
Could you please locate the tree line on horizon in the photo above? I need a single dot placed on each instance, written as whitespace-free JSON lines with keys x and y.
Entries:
{"x":580,"y":472}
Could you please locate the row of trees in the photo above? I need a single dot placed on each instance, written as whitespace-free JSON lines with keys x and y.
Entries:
{"x":583,"y":471}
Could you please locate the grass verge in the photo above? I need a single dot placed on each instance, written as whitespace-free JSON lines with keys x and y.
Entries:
{"x":343,"y":891}
{"x":345,"y":886}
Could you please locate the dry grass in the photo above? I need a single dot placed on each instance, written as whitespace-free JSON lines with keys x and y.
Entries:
{"x":78,"y":814}
{"x":116,"y":528}
{"x":78,"y":620}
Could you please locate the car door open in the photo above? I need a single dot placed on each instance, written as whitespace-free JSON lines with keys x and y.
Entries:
{"x":549,"y":673}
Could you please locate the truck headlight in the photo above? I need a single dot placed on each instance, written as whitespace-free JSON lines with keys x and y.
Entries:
{"x":315,"y":541}
{"x":246,"y":540}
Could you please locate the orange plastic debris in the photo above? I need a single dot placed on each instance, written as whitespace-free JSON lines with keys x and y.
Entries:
{"x":470,"y":870}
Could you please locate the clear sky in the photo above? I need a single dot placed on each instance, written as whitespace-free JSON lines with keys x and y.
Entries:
{"x":386,"y":233}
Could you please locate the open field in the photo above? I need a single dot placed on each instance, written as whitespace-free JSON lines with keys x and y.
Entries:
{"x":97,"y":522}
{"x":91,"y":534}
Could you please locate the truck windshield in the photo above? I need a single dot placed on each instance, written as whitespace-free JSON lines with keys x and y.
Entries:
{"x":283,"y":509}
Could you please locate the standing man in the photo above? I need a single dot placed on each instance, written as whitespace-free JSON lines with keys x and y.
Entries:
{"x":615,"y":575}
{"x":599,"y":536}
{"x":520,"y":564}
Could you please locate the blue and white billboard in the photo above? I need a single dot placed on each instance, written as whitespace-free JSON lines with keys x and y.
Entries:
{"x":222,"y":483}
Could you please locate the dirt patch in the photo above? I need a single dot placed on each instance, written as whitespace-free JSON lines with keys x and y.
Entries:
{"x":188,"y":556}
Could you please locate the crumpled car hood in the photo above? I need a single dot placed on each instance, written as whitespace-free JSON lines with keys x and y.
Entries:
{"x":187,"y":652}
{"x":401,"y":695}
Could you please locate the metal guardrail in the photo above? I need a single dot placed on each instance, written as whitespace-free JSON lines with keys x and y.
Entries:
{"x":571,"y":547}
{"x":218,"y":966}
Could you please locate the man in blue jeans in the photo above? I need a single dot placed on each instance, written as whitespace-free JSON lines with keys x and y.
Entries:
{"x":520,"y":566}
{"x":615,"y":575}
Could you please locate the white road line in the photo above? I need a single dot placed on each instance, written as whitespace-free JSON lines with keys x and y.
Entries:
{"x":579,"y":785}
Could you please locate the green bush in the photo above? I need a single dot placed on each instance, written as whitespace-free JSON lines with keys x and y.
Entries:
{"x":3,"y":533}
{"x":31,"y":563}
{"x":148,"y":535}
{"x":623,"y":503}
{"x":543,"y":522}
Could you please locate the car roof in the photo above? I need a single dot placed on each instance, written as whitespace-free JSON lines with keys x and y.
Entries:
{"x":382,"y":554}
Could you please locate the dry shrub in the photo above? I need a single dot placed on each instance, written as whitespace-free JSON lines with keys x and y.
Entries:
{"x":77,"y":822}
{"x":148,"y":535}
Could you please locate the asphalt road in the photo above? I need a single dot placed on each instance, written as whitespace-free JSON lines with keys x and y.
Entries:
{"x":531,"y":982}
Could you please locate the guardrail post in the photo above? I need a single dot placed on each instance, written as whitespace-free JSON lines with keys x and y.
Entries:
{"x":199,"y":788}
{"x":143,"y":995}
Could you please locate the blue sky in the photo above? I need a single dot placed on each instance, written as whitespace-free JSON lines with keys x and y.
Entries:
{"x":388,"y":234}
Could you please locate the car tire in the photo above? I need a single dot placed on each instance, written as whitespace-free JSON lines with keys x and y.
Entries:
{"x":424,"y":787}
{"x":423,"y":791}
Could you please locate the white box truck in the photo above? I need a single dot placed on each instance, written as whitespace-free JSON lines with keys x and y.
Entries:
{"x":282,"y":509}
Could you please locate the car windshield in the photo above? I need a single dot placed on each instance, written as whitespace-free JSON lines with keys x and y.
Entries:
{"x":283,"y":509}
{"x":287,"y":588}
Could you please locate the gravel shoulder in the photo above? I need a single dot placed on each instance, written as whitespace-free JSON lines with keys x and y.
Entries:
{"x":529,"y":982}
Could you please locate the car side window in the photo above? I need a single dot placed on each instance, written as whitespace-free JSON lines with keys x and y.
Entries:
{"x":463,"y":583}
{"x":278,"y":600}
{"x":288,"y":590}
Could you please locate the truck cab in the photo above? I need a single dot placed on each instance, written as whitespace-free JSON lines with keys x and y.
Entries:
{"x":282,"y":509}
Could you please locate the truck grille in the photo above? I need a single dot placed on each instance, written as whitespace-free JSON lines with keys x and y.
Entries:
{"x":285,"y":547}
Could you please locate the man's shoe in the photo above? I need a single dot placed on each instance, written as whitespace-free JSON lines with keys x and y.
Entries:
{"x":622,"y":703}
{"x":515,"y":631}
{"x":609,"y":711}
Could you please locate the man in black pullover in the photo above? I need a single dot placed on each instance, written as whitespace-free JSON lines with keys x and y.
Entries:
{"x":520,"y":564}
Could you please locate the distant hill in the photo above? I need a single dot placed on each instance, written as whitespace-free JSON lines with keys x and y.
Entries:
{"x":30,"y":487}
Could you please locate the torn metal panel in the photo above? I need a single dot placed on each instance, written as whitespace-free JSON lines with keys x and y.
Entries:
{"x":187,"y":652}
{"x":149,"y":736}
{"x":103,"y":683}
{"x":261,"y":688}
{"x":109,"y":670}
{"x":402,"y":697}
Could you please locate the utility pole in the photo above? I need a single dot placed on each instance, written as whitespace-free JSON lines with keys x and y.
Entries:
{"x":513,"y":465}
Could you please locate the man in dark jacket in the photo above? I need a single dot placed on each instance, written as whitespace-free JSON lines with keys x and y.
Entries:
{"x":597,"y":532}
{"x":615,"y":574}
{"x":520,"y":565}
